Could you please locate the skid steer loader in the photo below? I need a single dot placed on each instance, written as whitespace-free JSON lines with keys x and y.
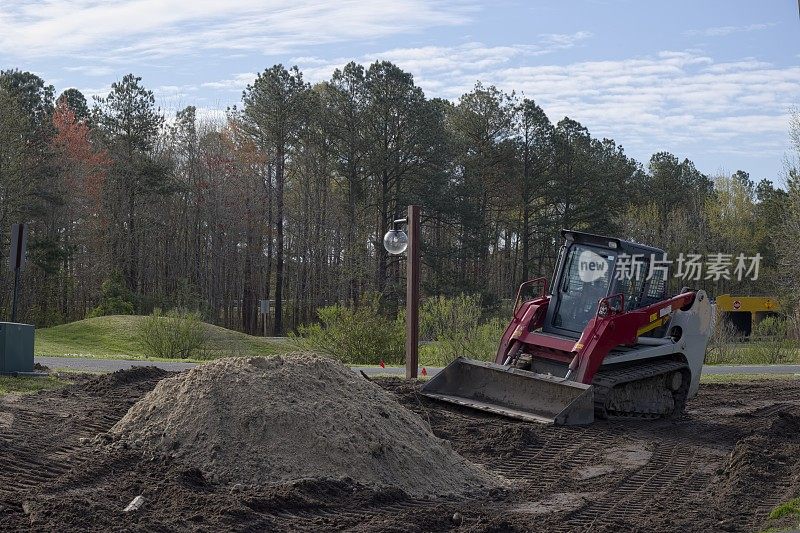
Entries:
{"x":597,"y":344}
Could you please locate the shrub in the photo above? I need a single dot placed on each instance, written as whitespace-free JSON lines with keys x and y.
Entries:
{"x":357,"y":336}
{"x":455,"y":328}
{"x":175,"y":334}
{"x":771,"y":327}
{"x":793,"y":327}
{"x":721,"y":344}
{"x":770,"y":343}
{"x":479,"y":342}
{"x":441,"y":316}
{"x":452,"y":327}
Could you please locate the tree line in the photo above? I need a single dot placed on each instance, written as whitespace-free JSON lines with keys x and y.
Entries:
{"x":288,"y":199}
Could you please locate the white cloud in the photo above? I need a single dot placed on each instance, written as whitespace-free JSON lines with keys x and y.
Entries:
{"x":675,"y":100}
{"x":88,"y":70}
{"x":91,"y":92}
{"x":560,"y":41}
{"x":238,"y":82}
{"x":128,"y":29}
{"x":426,"y":63}
{"x":471,"y":56}
{"x":658,"y":103}
{"x":722,"y":31}
{"x":743,"y":64}
{"x":209,"y":117}
{"x":430,"y":65}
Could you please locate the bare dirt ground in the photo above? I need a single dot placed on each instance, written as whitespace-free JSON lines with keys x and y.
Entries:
{"x":724,"y":466}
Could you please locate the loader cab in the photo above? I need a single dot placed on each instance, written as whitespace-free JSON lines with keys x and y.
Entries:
{"x":591,"y":267}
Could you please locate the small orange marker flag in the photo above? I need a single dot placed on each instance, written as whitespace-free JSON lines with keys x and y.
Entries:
{"x":383,"y":365}
{"x":424,"y":372}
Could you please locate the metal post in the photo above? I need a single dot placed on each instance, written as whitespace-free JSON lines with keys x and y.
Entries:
{"x":16,"y":260}
{"x":14,"y":297}
{"x":412,"y":292}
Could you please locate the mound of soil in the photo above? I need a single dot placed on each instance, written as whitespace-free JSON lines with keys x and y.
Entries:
{"x":101,"y":385}
{"x":300,"y":416}
{"x":757,"y":459}
{"x":475,"y":435}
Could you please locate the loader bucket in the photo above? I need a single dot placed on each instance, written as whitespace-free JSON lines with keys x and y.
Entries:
{"x":513,"y":392}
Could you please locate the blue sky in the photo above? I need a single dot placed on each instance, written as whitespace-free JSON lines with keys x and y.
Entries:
{"x":713,"y":81}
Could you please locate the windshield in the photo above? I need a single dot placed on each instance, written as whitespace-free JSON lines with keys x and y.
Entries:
{"x":587,"y":275}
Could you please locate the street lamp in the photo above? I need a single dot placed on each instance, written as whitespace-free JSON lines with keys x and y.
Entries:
{"x":396,"y":242}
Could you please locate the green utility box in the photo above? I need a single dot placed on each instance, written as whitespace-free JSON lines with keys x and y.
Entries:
{"x":16,"y":347}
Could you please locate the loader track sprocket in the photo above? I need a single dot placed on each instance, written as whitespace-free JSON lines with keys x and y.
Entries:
{"x":650,"y":390}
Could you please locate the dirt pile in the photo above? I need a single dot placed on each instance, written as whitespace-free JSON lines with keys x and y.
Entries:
{"x":757,"y":459}
{"x":106,"y":383}
{"x":299,"y":416}
{"x":476,"y":434}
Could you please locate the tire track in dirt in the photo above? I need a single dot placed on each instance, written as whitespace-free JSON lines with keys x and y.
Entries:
{"x":311,"y":520}
{"x":671,"y":463}
{"x":614,"y":475}
{"x":28,"y":464}
{"x":31,"y":458}
{"x":685,"y":460}
{"x":675,"y":468}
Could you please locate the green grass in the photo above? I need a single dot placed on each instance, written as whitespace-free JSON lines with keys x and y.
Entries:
{"x":27,"y":384}
{"x":792,"y":507}
{"x":115,"y":337}
{"x":736,"y":378}
{"x":756,"y":352}
{"x":783,"y":517}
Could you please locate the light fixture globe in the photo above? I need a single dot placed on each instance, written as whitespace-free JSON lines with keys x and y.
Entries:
{"x":395,"y":241}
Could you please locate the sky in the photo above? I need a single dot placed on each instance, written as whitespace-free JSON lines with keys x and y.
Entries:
{"x":713,"y":81}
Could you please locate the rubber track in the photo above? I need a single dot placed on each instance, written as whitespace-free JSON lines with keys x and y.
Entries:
{"x":607,"y":379}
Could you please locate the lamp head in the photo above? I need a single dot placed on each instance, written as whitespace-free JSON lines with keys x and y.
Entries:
{"x":395,"y":241}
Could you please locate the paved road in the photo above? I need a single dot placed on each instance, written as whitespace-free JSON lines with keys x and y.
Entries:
{"x":110,"y":365}
{"x":105,"y":365}
{"x":707,"y":369}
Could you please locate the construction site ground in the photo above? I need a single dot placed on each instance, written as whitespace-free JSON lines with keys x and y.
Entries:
{"x":722,"y":467}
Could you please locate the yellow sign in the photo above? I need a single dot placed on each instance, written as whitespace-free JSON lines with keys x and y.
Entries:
{"x":751,"y":304}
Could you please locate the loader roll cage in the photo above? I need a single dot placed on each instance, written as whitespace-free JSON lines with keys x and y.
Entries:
{"x":575,"y":301}
{"x":543,"y":286}
{"x":577,"y":297}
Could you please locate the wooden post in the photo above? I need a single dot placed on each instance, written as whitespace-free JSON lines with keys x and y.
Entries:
{"x":412,"y":292}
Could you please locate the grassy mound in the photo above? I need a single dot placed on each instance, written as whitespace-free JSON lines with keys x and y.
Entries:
{"x":116,"y":337}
